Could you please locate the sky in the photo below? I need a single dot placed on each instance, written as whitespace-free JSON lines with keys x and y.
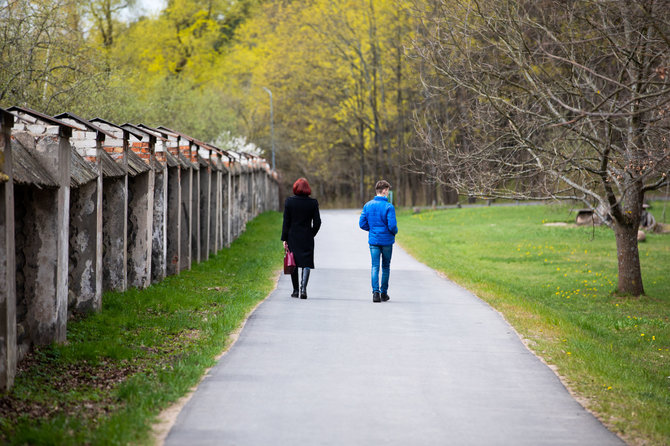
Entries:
{"x":143,"y":7}
{"x":151,"y":6}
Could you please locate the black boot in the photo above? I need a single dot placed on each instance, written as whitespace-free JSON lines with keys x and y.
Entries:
{"x":303,"y":285}
{"x":376,"y":297}
{"x":385,"y":297}
{"x":294,"y":280}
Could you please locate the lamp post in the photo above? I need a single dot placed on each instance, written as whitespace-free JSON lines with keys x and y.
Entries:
{"x":272,"y":126}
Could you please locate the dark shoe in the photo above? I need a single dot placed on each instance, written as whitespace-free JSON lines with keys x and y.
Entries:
{"x":295,"y":280}
{"x":303,"y":285}
{"x":385,"y":297}
{"x":376,"y":297}
{"x":294,"y":293}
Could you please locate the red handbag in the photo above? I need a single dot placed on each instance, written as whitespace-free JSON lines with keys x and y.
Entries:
{"x":289,"y":262}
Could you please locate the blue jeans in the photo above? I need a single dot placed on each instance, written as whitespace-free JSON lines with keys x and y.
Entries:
{"x":385,"y":253}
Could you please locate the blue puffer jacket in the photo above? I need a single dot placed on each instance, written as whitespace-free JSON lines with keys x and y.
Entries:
{"x":378,"y":217}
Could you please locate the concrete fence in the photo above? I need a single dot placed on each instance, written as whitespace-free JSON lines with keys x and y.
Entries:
{"x":88,"y":206}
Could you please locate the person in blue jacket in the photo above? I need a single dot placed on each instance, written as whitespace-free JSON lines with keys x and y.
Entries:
{"x":378,"y":218}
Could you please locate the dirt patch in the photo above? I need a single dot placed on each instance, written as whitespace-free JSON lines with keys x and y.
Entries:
{"x":82,"y":389}
{"x":561,"y":224}
{"x":662,"y":228}
{"x":62,"y":379}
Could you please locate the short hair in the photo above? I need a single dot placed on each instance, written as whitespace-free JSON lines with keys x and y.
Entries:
{"x":382,"y":185}
{"x":301,"y":187}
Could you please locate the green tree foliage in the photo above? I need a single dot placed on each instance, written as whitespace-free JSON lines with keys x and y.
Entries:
{"x":169,"y":69}
{"x":81,"y":56}
{"x":343,"y":91}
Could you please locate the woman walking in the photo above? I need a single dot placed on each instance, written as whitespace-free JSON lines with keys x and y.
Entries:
{"x":301,"y":223}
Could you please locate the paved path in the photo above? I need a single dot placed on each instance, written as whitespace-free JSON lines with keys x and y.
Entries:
{"x":433,"y":366}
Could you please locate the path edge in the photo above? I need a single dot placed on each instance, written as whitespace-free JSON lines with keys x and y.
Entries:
{"x":527,"y":343}
{"x":166,"y":419}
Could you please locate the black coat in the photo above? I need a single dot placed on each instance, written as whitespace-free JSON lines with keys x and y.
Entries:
{"x":301,"y":223}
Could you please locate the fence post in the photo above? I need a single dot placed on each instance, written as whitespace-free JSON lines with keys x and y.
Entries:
{"x":218,"y":203}
{"x":114,"y":158}
{"x":187,"y":205}
{"x":140,"y":206}
{"x":7,"y":257}
{"x":172,"y":210}
{"x":86,"y":197}
{"x":44,"y":245}
{"x":159,"y":166}
{"x":204,"y":186}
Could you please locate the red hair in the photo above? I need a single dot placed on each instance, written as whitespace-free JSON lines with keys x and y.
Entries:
{"x":301,"y":187}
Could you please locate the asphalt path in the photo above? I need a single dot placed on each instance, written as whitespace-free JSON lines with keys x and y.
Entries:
{"x":433,"y":366}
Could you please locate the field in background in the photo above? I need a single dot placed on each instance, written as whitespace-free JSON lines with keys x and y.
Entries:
{"x":556,"y":285}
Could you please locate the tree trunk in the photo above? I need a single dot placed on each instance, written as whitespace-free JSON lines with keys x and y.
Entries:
{"x":630,"y":275}
{"x":361,"y":149}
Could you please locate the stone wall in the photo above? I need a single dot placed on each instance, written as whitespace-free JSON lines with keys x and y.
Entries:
{"x":91,"y":206}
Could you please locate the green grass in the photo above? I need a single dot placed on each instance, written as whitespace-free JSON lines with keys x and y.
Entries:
{"x":556,"y":286}
{"x":143,"y":351}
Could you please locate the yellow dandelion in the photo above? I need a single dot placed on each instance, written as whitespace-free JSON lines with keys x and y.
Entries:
{"x":641,"y":334}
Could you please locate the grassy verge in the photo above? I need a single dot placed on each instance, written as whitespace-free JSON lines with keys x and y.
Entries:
{"x":143,"y":351}
{"x":555,"y":285}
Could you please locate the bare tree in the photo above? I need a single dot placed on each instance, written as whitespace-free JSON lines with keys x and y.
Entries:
{"x":105,"y":15}
{"x":46,"y":63}
{"x":550,"y":99}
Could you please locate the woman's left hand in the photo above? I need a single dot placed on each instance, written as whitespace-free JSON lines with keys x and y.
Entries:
{"x":285,"y":245}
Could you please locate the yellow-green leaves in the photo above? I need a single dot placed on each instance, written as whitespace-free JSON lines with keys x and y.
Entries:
{"x":340,"y":82}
